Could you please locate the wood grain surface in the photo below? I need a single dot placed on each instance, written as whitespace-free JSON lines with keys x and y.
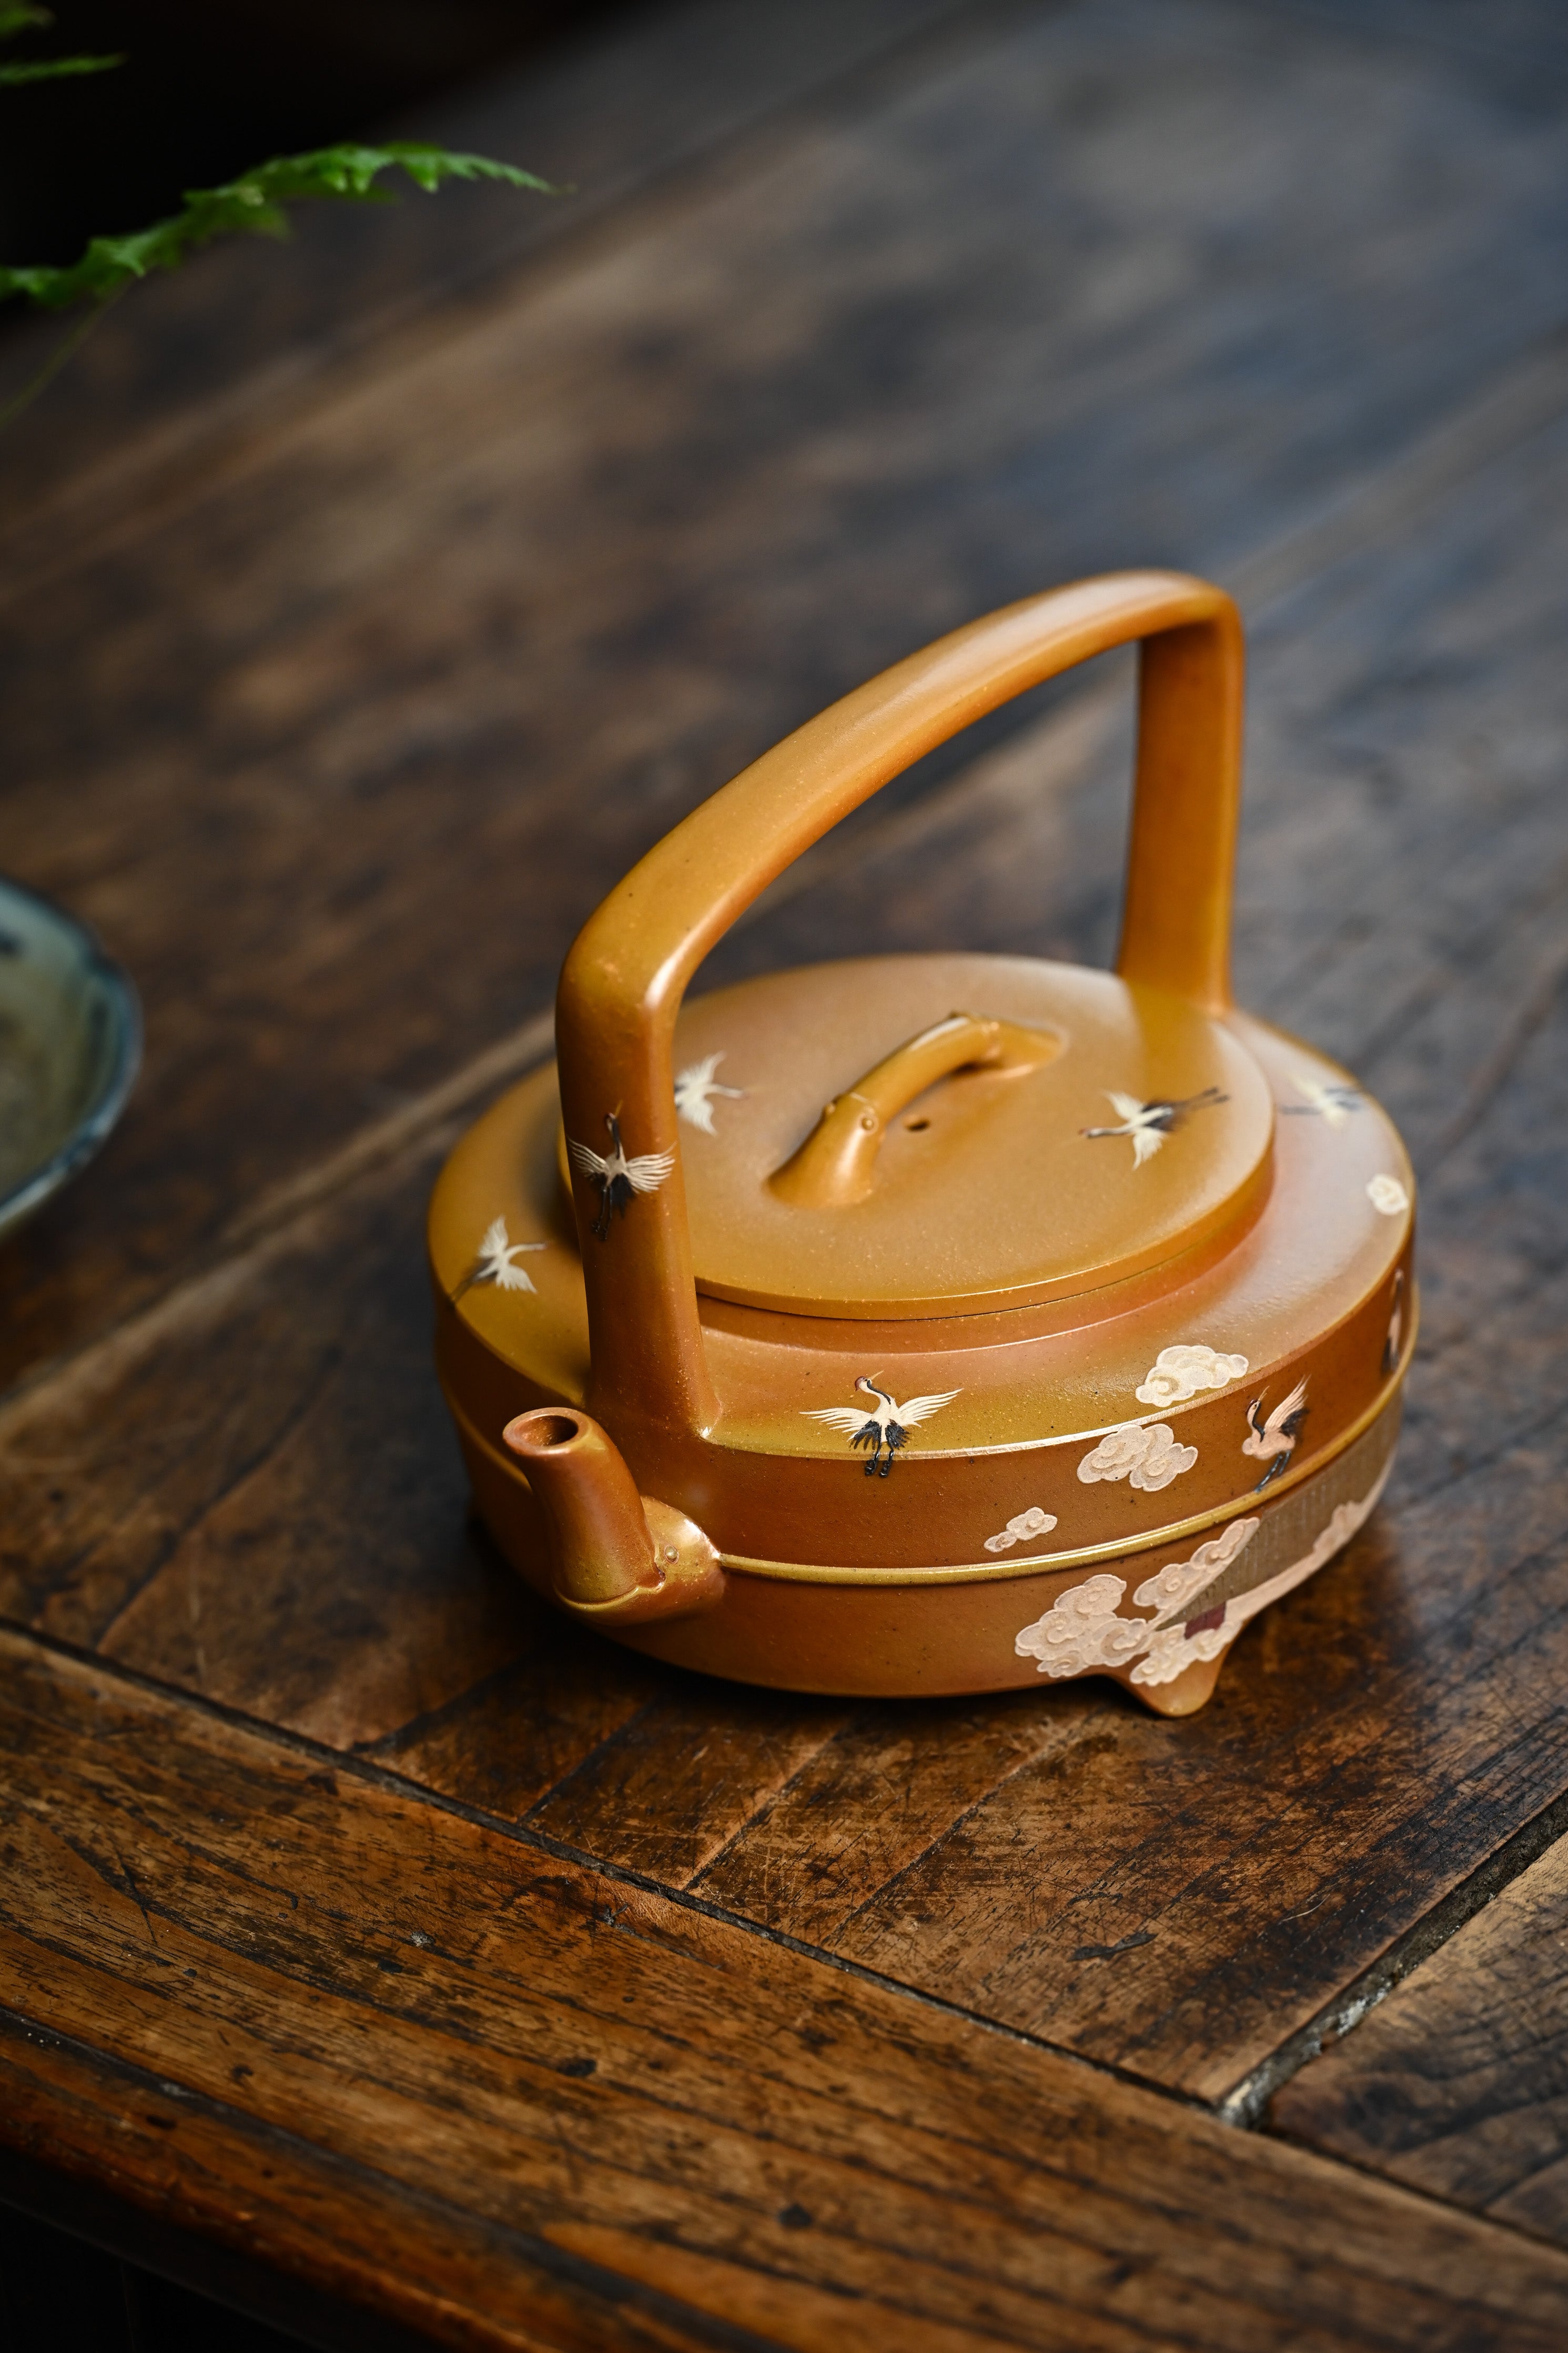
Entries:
{"x":1458,"y":2083}
{"x":173,"y":391}
{"x":279,"y":1520}
{"x":336,"y":698}
{"x":527,"y":2075}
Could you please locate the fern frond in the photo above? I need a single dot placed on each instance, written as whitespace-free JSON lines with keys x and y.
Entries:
{"x":252,"y":204}
{"x":21,"y":16}
{"x":52,"y":68}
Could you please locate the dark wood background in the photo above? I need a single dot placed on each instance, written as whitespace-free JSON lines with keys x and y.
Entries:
{"x":368,"y":606}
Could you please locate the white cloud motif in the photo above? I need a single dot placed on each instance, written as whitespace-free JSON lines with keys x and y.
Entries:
{"x":1387,"y":1196}
{"x":1018,"y":1530}
{"x":1172,"y":1652}
{"x":1080,"y":1632}
{"x":1169,"y":1651}
{"x":1145,"y":1456}
{"x":1170,"y":1586}
{"x":1180,"y":1372}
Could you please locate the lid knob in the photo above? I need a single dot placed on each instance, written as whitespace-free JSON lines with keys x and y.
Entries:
{"x":837,"y":1162}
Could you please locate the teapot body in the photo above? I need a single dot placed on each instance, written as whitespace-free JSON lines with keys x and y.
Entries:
{"x":933,"y":1324}
{"x":1109,"y":1486}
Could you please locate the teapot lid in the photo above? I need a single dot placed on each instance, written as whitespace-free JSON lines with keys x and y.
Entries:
{"x":931,"y":1136}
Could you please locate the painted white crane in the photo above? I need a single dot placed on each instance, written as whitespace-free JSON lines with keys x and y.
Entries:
{"x":1274,"y":1441}
{"x":494,"y":1261}
{"x":1331,"y":1100}
{"x":1149,"y":1124}
{"x":618,"y":1178}
{"x":887,"y":1426}
{"x":1396,"y":1322}
{"x":695,"y":1088}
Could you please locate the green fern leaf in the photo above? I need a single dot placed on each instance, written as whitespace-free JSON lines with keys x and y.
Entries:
{"x":52,"y":68}
{"x":252,"y":204}
{"x":21,"y":16}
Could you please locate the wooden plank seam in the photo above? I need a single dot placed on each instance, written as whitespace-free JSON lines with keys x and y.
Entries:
{"x":1246,"y":2105}
{"x":808,"y":2300}
{"x":1519,"y":401}
{"x":377,"y":1776}
{"x":1244,"y":2108}
{"x":1451,"y":454}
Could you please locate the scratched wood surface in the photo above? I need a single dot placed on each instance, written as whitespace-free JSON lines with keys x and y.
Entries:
{"x":640,"y":2106}
{"x":338,"y":731}
{"x":1458,"y":2083}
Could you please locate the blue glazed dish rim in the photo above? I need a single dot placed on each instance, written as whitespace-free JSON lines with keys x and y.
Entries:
{"x":123,"y":1063}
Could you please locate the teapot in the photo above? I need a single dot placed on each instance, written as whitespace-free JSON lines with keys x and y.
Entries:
{"x":940,"y":1323}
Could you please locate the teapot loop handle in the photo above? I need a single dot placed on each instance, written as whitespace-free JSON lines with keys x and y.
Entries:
{"x":627,"y":971}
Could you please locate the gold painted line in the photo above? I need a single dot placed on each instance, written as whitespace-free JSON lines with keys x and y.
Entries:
{"x":975,"y":1572}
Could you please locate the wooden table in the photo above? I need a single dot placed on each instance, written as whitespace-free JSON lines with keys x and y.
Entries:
{"x":368,"y":607}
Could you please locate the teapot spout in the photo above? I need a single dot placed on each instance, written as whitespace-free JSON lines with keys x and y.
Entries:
{"x":614,"y":1554}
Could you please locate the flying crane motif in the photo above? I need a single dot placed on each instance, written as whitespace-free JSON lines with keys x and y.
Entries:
{"x":1274,"y":1441}
{"x":694,"y":1090}
{"x":1331,"y":1101}
{"x":887,"y":1424}
{"x":1149,"y":1124}
{"x":1396,"y":1322}
{"x":493,"y":1261}
{"x":617,"y":1177}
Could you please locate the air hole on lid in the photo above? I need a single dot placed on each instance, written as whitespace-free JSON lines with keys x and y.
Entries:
{"x":914,"y":1125}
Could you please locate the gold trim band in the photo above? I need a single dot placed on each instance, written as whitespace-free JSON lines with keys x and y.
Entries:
{"x":974,"y":1572}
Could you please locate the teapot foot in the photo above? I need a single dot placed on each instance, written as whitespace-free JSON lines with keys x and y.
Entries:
{"x":1191,"y":1689}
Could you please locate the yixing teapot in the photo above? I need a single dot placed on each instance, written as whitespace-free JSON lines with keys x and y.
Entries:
{"x":934,"y":1323}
